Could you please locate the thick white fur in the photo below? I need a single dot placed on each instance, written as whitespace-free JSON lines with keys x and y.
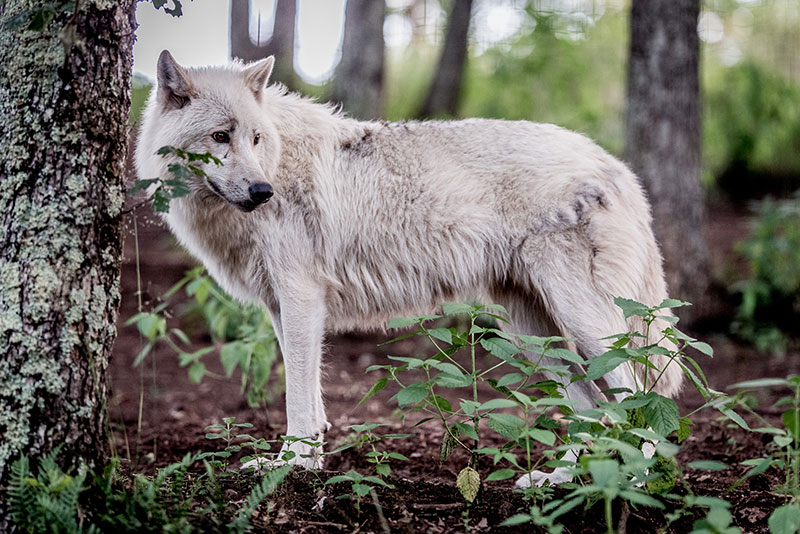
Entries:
{"x":373,"y":220}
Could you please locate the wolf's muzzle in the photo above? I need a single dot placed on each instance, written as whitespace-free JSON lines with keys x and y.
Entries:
{"x":259,"y":193}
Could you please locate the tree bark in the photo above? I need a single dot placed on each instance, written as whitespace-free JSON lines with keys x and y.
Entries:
{"x":663,"y":136}
{"x":444,"y":94}
{"x":64,"y":99}
{"x":280,"y":45}
{"x":358,"y":81}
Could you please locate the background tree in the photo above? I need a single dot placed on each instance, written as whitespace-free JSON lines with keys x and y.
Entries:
{"x":64,"y":98}
{"x":445,"y":90}
{"x":663,"y":134}
{"x":280,"y":44}
{"x":358,"y":80}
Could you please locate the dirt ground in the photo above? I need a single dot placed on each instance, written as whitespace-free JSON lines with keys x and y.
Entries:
{"x":158,"y":416}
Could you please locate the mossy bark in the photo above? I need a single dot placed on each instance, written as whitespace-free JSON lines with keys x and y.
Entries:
{"x":64,"y":99}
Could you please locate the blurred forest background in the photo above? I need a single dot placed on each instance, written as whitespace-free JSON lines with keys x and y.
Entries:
{"x":571,"y":62}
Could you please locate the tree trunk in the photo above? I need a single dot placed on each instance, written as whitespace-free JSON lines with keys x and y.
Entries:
{"x":445,"y":91}
{"x":280,"y":45}
{"x":663,"y":136}
{"x":64,"y":99}
{"x":358,"y":80}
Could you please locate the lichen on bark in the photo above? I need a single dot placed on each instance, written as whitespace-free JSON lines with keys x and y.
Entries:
{"x":64,"y":107}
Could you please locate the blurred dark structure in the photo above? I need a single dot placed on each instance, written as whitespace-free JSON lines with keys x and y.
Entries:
{"x":445,"y":91}
{"x":358,"y":80}
{"x":280,"y":44}
{"x":662,"y":141}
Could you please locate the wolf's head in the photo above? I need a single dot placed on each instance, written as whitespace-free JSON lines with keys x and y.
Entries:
{"x":214,"y":110}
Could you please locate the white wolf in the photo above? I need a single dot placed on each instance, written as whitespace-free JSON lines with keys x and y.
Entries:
{"x":335,"y":224}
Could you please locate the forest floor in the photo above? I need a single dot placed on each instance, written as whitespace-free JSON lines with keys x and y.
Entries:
{"x":158,"y":415}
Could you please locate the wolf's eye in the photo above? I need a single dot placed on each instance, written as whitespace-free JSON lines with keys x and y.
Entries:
{"x":256,"y":139}
{"x":221,"y":137}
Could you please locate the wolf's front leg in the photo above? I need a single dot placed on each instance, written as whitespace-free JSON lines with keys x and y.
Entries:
{"x":302,"y":325}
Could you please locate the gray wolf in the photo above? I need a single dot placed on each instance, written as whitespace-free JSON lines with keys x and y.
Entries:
{"x":334,"y":224}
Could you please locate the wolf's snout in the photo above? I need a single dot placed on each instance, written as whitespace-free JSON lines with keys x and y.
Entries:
{"x":260,"y":193}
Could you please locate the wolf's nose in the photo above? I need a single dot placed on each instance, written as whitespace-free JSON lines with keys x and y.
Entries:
{"x":260,"y":193}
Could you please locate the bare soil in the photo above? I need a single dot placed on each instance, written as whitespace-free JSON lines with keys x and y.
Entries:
{"x":158,"y":416}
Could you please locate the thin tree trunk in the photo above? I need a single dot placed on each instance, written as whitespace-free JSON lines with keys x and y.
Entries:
{"x":445,"y":91}
{"x":663,"y":135}
{"x":358,"y":81}
{"x":65,"y":108}
{"x":280,"y":45}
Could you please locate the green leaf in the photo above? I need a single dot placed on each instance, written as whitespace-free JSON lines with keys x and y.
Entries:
{"x":411,"y":394}
{"x":605,"y":473}
{"x":510,"y":378}
{"x":151,"y":326}
{"x":466,"y":430}
{"x":142,"y":354}
{"x":449,"y":443}
{"x":703,"y":347}
{"x":500,"y":474}
{"x":401,"y":322}
{"x":761,"y":383}
{"x":517,"y":519}
{"x":229,"y":356}
{"x":637,"y":497}
{"x":662,"y":415}
{"x":605,"y":363}
{"x":494,"y":404}
{"x":196,"y":372}
{"x":468,"y":483}
{"x":542,"y":436}
{"x":684,"y":429}
{"x":441,"y":403}
{"x":379,"y":385}
{"x":442,"y":334}
{"x":785,"y":519}
{"x":457,"y":308}
{"x":500,"y":347}
{"x":631,"y":307}
{"x":791,"y":419}
{"x":708,"y":465}
{"x":566,"y":355}
{"x":506,"y":425}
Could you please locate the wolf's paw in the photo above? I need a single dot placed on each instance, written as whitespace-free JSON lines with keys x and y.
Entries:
{"x":540,"y":478}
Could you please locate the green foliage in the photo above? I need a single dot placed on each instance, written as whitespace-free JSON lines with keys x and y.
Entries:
{"x":243,"y":332}
{"x":360,"y":486}
{"x":47,"y":502}
{"x":770,"y":303}
{"x":751,"y":126}
{"x":609,"y":441}
{"x":175,"y":500}
{"x":161,"y":191}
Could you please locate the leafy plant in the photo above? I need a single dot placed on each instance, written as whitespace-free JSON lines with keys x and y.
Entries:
{"x":785,"y":455}
{"x":770,"y":305}
{"x":364,"y":436}
{"x":162,"y":191}
{"x":248,"y":340}
{"x":55,"y":501}
{"x":461,"y":423}
{"x":360,"y":486}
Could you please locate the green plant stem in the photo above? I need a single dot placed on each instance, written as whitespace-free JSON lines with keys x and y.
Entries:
{"x":609,"y":516}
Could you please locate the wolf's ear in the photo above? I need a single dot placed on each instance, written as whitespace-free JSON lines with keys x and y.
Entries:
{"x":257,"y":75}
{"x":174,"y":87}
